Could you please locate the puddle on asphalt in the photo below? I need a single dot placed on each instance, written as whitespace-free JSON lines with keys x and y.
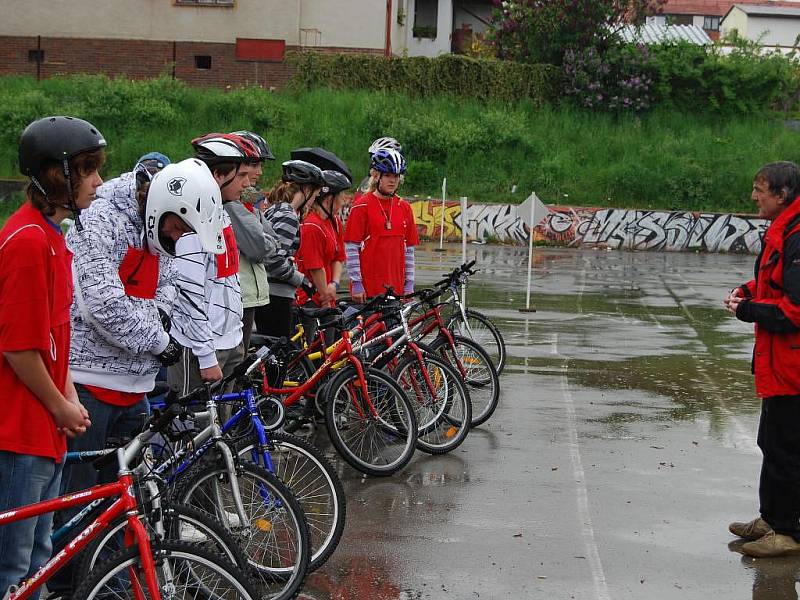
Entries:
{"x":622,"y":342}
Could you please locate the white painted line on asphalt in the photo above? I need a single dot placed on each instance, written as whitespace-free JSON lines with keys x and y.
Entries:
{"x":579,"y":475}
{"x":587,"y":530}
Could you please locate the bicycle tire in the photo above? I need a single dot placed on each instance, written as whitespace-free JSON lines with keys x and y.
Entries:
{"x":216,"y":538}
{"x":443,"y":421}
{"x":190,"y":569}
{"x":492,"y":342}
{"x":478,"y":372}
{"x":392,"y":429}
{"x":278,"y":559}
{"x":314,"y":482}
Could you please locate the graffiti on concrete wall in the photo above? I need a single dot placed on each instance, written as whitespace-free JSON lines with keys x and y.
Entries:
{"x":610,"y":228}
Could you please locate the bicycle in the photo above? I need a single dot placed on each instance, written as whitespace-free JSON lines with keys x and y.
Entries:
{"x":252,"y":503}
{"x":437,"y":393}
{"x":298,"y":464}
{"x":369,"y":419}
{"x":143,"y":568}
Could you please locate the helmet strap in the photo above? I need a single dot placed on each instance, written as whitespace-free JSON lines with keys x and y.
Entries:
{"x":71,"y":204}
{"x":378,"y":187}
{"x":328,"y":212}
{"x":235,"y":173}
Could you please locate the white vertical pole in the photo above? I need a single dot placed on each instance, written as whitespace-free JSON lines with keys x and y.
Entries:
{"x":530,"y":254}
{"x":464,"y":224}
{"x":441,"y":225}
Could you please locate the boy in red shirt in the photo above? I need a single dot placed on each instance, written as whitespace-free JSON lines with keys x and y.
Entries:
{"x":40,"y":406}
{"x":381,"y":233}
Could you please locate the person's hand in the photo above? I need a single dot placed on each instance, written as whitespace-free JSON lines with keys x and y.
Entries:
{"x":731,"y":302}
{"x":328,"y":295}
{"x":211,"y":374}
{"x":171,"y":354}
{"x":359,"y":297}
{"x":72,"y":419}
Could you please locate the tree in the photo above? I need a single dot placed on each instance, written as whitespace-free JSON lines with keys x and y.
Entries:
{"x":542,"y":30}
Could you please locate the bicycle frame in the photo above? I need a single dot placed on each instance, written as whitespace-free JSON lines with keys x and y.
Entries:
{"x":342,"y":350}
{"x":135,"y":533}
{"x":205,"y":439}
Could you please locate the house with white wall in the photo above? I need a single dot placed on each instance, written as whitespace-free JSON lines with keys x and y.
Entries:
{"x":222,"y":42}
{"x":771,"y":26}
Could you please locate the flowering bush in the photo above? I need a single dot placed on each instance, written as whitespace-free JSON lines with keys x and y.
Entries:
{"x":619,"y":80}
{"x":542,"y":30}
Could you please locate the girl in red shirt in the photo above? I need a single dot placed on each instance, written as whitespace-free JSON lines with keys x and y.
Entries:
{"x":40,"y":406}
{"x":321,"y":253}
{"x":381,"y":233}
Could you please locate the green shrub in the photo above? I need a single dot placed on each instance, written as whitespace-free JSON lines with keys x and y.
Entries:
{"x":482,"y":79}
{"x":702,"y":78}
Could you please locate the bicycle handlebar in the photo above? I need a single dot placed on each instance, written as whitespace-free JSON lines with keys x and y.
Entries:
{"x":174,"y":406}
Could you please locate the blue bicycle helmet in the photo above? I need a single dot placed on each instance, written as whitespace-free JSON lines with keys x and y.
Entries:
{"x":389,"y":161}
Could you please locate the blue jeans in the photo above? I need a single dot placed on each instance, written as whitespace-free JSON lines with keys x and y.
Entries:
{"x":108,"y":421}
{"x":25,"y":545}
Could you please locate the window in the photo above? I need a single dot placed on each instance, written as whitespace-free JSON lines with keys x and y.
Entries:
{"x":205,"y":2}
{"x":426,"y":13}
{"x":202,"y":61}
{"x":679,"y":19}
{"x":711,"y":23}
{"x":36,"y":56}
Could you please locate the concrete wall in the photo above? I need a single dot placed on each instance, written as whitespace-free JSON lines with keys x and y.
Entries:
{"x":607,"y":228}
{"x":351,"y":23}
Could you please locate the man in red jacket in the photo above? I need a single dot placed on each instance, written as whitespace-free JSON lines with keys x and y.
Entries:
{"x":772,"y":301}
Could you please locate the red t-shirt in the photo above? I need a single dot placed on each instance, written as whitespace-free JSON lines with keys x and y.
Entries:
{"x":320,"y":246}
{"x":386,"y":227}
{"x":35,"y":297}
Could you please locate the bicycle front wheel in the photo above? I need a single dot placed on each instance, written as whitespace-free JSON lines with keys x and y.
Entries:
{"x":183,"y":571}
{"x":374,"y":430}
{"x":439,"y":399}
{"x":274,"y":535}
{"x":474,"y":365}
{"x":180,"y":523}
{"x":315,"y":484}
{"x":481,"y":330}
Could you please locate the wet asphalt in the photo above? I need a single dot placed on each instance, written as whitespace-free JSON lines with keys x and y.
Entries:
{"x":623,"y":445}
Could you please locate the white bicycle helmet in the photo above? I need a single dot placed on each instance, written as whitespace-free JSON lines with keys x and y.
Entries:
{"x":385,"y":143}
{"x":188,"y":190}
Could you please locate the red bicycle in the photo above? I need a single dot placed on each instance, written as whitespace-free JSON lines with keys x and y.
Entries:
{"x":143,"y":569}
{"x":369,"y":418}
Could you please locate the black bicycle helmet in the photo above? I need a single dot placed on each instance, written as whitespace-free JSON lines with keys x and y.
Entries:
{"x":56,"y":139}
{"x":302,"y":172}
{"x":334,"y":182}
{"x":264,"y":152}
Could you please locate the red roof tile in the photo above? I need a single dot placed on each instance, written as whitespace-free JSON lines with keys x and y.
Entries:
{"x":714,"y":7}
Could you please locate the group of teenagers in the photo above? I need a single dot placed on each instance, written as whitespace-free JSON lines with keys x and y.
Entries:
{"x":169,"y":266}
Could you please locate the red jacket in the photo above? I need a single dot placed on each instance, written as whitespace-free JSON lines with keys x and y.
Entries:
{"x":776,"y":312}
